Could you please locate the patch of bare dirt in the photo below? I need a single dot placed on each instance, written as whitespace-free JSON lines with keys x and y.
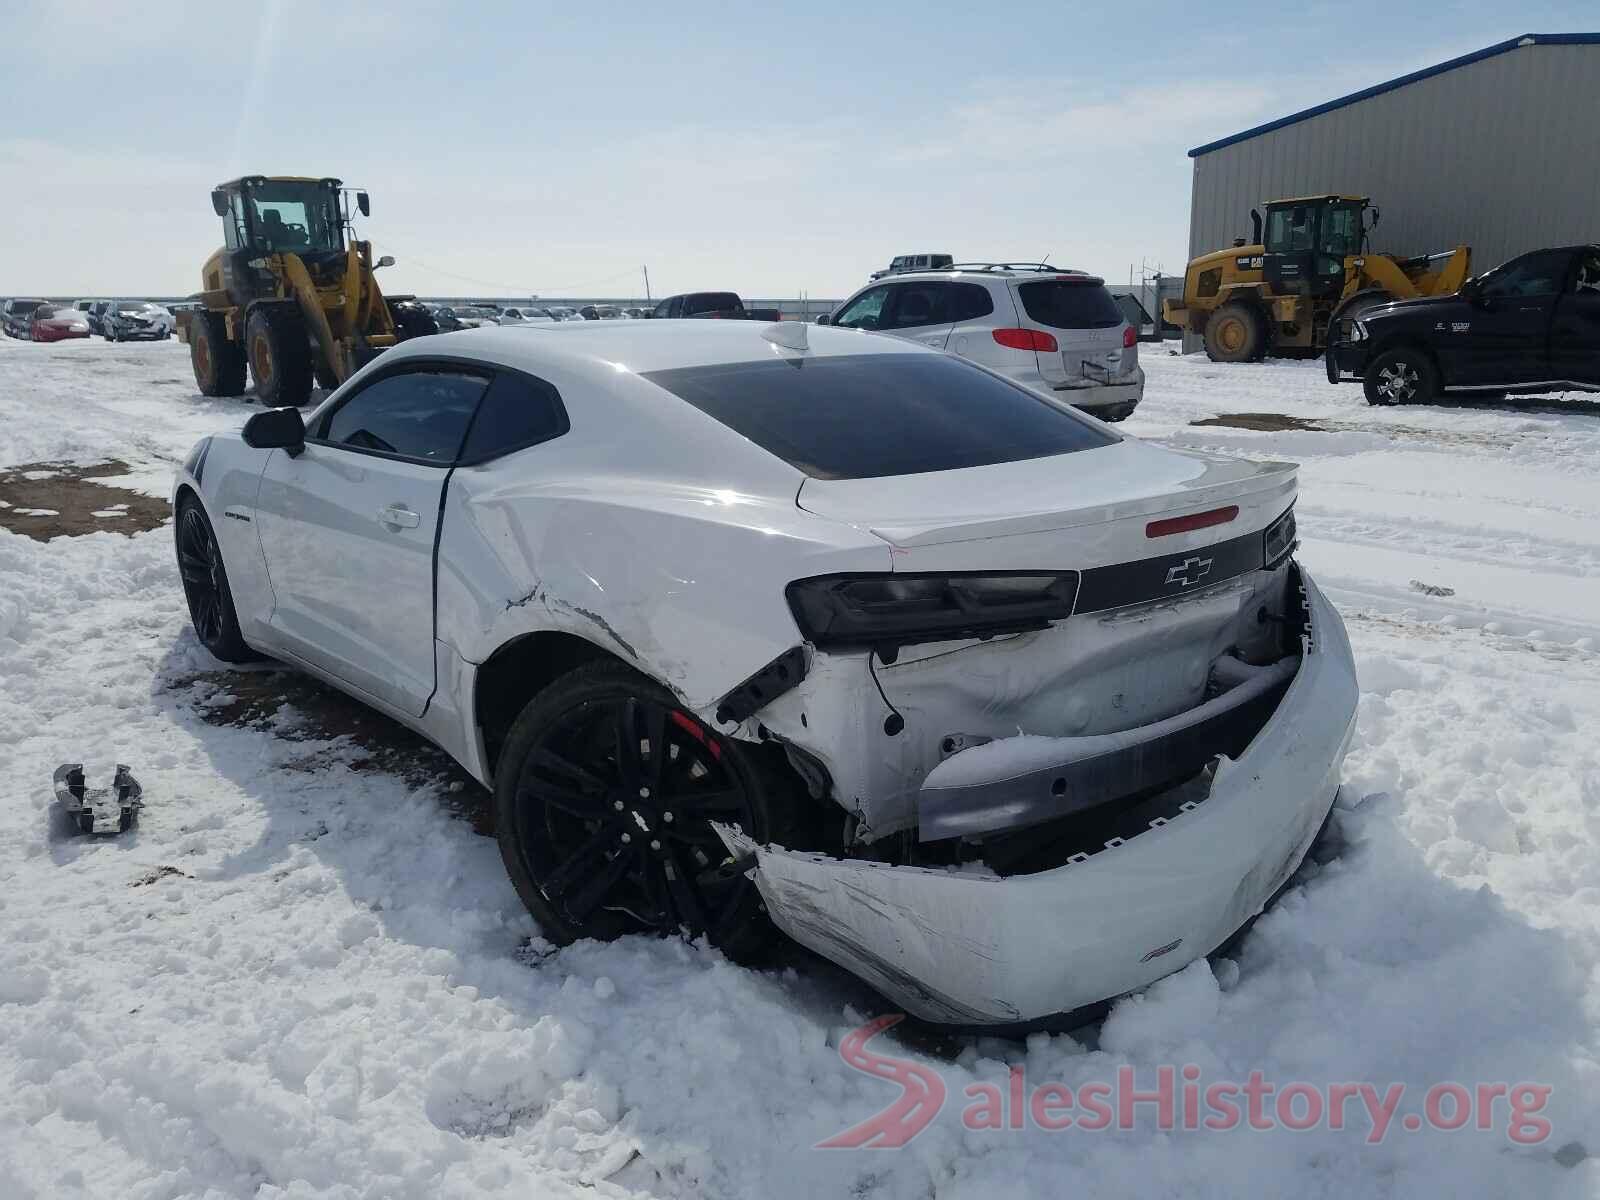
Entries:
{"x":1264,"y":422}
{"x":299,"y":708}
{"x":45,"y":500}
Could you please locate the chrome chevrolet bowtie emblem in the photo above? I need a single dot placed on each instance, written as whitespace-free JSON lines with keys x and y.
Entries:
{"x":1189,"y":572}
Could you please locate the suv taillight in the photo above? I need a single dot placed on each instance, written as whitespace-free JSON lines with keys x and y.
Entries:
{"x":1026,"y":339}
{"x":1128,"y":337}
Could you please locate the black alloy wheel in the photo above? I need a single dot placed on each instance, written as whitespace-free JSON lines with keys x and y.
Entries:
{"x":205,"y":586}
{"x":604,"y":806}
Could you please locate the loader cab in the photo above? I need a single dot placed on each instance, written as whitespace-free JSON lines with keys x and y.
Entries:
{"x":1306,"y":241}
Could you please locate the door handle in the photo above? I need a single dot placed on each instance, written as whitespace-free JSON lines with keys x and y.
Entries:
{"x":399,"y":516}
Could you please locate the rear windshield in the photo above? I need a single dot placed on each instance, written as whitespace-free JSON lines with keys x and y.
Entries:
{"x":711,"y":302}
{"x":1069,"y":305}
{"x":870,"y":415}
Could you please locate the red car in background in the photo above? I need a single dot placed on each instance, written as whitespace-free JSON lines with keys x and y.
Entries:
{"x":57,"y":322}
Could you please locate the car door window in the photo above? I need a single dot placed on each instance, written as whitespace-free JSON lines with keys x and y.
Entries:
{"x":914,"y":305}
{"x":865,"y":311}
{"x":420,"y":414}
{"x":967,"y":302}
{"x":1542,"y":273}
{"x":518,"y":411}
{"x":1587,"y":281}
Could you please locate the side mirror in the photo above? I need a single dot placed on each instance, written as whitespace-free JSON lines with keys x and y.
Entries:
{"x":276,"y":429}
{"x":386,"y":261}
{"x":364,"y":204}
{"x":824,"y":319}
{"x":219,"y":202}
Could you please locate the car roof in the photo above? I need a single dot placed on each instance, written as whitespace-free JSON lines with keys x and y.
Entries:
{"x":638,"y":346}
{"x":973,"y":272}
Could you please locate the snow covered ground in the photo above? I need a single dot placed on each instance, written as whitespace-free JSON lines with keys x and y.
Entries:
{"x":302,"y":976}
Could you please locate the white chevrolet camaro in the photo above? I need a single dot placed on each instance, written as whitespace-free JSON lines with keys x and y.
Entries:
{"x":751,"y":625}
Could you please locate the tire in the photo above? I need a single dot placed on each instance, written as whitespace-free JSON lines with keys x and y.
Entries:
{"x":279,"y":351}
{"x":1235,"y":333}
{"x":325,"y":375}
{"x":592,"y":852}
{"x":1402,"y":376}
{"x":218,"y":363}
{"x":205,"y":585}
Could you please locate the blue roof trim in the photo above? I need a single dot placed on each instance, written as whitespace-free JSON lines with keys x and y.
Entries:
{"x":1526,"y":39}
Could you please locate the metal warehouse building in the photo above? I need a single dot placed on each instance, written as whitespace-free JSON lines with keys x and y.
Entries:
{"x":1499,"y":149}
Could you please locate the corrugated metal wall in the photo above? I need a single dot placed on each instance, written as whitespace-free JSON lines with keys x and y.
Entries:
{"x":1503,"y":154}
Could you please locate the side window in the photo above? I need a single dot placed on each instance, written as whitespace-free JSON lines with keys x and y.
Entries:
{"x":1587,"y":280}
{"x":967,"y":302}
{"x":914,"y":305}
{"x":1289,"y":229}
{"x":417,"y":414}
{"x":1542,"y":273}
{"x":518,"y":411}
{"x":662,"y":310}
{"x":864,"y":311}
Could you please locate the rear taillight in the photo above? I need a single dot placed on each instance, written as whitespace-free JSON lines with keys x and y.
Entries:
{"x":1026,"y":339}
{"x":885,"y":612}
{"x":1280,"y":539}
{"x":1128,"y":337}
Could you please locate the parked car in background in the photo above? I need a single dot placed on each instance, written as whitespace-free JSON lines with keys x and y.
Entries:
{"x":411,"y":317}
{"x":96,"y":316}
{"x":17,"y":316}
{"x":1056,"y":331}
{"x":559,"y":313}
{"x":1530,"y":326}
{"x":56,"y":323}
{"x":136,"y":320}
{"x":515,"y":315}
{"x":902,"y":263}
{"x":885,"y":567}
{"x":445,"y":317}
{"x":724,"y":306}
{"x":471,"y":316}
{"x":601,"y":312}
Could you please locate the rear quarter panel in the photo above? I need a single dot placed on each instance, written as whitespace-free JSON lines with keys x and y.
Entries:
{"x":685,"y":583}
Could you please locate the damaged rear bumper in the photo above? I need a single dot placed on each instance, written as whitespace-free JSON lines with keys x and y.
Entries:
{"x":967,"y":948}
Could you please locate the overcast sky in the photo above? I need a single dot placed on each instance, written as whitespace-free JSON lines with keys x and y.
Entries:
{"x":770,"y":148}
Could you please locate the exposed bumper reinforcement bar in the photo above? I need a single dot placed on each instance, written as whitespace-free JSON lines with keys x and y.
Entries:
{"x":1022,"y":781}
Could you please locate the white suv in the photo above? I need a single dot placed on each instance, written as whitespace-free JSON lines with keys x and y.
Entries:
{"x":1058,"y":332}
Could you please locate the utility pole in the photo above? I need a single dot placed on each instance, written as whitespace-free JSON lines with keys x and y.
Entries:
{"x":646,"y":270}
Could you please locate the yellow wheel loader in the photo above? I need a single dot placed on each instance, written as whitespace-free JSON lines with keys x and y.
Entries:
{"x":291,"y":294}
{"x":1308,"y":270}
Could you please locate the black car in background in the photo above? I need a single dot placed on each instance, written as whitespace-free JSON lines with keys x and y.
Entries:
{"x":16,"y":317}
{"x":1529,"y":326}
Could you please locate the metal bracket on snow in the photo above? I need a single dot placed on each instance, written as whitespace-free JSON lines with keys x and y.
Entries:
{"x":98,"y":810}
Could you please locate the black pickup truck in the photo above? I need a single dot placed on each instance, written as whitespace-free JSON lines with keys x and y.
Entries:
{"x":1531,"y":325}
{"x":724,"y":306}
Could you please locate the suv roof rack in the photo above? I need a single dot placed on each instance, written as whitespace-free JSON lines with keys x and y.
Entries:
{"x":1038,"y":267}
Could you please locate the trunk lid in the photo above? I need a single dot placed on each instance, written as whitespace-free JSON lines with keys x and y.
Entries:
{"x":1070,"y":511}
